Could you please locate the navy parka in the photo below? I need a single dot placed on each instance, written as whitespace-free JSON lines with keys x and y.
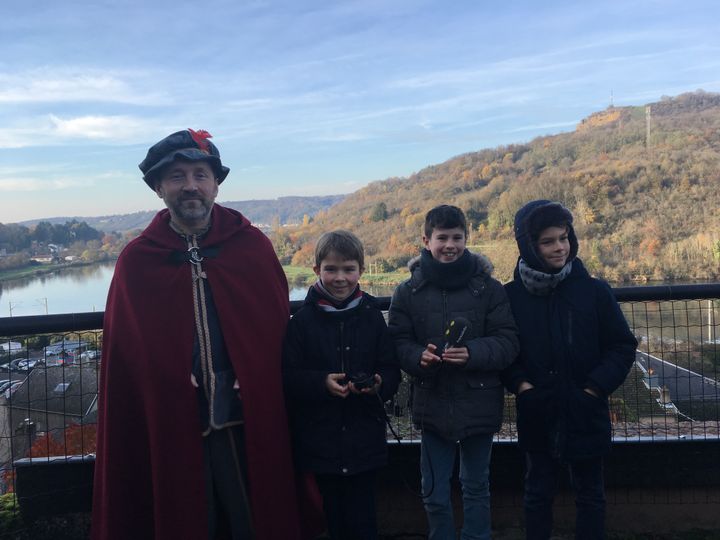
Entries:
{"x":332,"y":435}
{"x":572,"y":339}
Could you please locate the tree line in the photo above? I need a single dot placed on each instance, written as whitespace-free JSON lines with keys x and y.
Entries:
{"x":74,"y":239}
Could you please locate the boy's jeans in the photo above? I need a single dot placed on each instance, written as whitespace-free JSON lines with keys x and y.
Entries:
{"x":541,"y":482}
{"x":437,"y":461}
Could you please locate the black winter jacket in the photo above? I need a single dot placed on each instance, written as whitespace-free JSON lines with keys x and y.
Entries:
{"x":331,"y":434}
{"x":575,"y":338}
{"x":451,"y":401}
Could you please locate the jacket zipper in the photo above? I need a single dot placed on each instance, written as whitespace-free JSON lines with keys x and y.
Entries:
{"x":444,"y":310}
{"x":451,"y":402}
{"x":342,"y":348}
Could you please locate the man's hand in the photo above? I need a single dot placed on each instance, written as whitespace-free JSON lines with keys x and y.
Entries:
{"x":456,"y":355}
{"x":428,"y":357}
{"x":333,"y":382}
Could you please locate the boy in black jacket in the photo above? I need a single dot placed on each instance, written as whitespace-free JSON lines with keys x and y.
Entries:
{"x":458,"y":396}
{"x":575,"y":350}
{"x":339,"y":366}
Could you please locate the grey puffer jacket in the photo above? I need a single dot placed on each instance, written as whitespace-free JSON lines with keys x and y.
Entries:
{"x":452,"y":401}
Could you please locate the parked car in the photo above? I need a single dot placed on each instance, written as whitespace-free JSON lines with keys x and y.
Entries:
{"x":14,"y":364}
{"x":10,"y":390}
{"x":5,"y":383}
{"x":30,"y":363}
{"x":90,"y":355}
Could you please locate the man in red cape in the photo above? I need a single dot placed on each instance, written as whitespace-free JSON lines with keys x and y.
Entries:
{"x":192,"y":437}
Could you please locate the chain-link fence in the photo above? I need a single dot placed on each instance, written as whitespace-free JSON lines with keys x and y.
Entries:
{"x":49,"y":371}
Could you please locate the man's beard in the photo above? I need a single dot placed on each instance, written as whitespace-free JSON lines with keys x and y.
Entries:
{"x":196,"y":212}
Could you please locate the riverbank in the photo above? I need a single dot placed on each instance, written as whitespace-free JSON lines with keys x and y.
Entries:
{"x":38,"y":270}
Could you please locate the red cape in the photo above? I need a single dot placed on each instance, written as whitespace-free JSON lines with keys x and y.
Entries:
{"x":149,"y":477}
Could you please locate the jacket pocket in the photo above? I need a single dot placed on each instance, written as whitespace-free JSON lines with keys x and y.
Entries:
{"x":588,"y":415}
{"x":481,"y":401}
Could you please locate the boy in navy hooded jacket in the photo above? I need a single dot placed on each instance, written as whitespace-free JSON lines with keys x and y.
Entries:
{"x":575,"y":350}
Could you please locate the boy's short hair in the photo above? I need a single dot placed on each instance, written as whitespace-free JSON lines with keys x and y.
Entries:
{"x":344,"y":243}
{"x":444,"y":216}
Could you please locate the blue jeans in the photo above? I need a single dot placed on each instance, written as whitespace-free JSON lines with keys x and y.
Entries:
{"x":541,"y":482}
{"x":437,"y":461}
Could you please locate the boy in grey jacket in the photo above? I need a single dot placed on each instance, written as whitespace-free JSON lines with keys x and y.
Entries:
{"x":458,"y":396}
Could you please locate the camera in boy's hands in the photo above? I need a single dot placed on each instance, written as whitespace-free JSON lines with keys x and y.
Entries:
{"x":456,"y":333}
{"x":361,"y":380}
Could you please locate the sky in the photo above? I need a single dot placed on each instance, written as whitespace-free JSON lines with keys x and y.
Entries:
{"x":310,"y":97}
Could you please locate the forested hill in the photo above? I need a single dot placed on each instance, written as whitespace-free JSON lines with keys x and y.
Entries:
{"x":282,"y":211}
{"x":643,"y":183}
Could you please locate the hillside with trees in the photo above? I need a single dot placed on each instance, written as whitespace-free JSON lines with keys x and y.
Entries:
{"x":641,"y":181}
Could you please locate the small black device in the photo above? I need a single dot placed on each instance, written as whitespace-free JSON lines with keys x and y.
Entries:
{"x":456,"y":332}
{"x":361,"y":380}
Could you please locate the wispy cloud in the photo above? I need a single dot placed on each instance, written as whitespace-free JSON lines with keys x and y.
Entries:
{"x":77,"y":85}
{"x":98,"y":127}
{"x":554,"y":61}
{"x":51,"y":130}
{"x":18,"y":184}
{"x":343,"y":137}
{"x":54,"y":178}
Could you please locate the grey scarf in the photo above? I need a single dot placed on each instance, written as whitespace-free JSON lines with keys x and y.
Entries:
{"x":540,"y":283}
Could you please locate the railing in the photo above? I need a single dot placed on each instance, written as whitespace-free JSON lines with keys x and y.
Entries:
{"x":671,"y":394}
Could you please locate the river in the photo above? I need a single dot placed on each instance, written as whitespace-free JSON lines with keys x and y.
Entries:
{"x":80,"y":289}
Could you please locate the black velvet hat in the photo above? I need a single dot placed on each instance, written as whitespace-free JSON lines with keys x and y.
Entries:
{"x":185,"y":145}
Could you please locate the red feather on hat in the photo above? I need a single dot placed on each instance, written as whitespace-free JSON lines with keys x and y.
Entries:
{"x":200,"y":137}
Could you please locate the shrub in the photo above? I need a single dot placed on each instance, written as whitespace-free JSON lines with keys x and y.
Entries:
{"x":9,"y":514}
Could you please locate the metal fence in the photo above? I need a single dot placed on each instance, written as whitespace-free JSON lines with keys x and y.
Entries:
{"x":671,"y":392}
{"x":49,"y":367}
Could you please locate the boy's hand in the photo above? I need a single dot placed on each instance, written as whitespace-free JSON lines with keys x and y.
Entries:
{"x":456,"y":355}
{"x":374,"y":389}
{"x":428,"y":357}
{"x":333,"y":382}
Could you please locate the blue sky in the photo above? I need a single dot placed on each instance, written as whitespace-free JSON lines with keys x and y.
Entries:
{"x":314,"y":97}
